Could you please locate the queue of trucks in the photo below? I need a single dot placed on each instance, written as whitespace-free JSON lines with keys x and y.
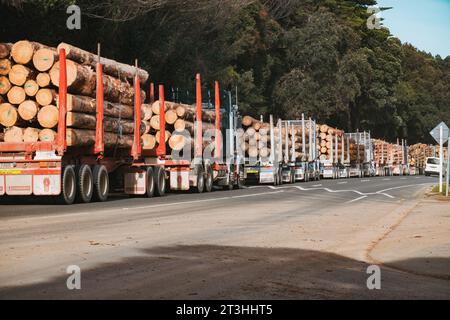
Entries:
{"x":54,"y":169}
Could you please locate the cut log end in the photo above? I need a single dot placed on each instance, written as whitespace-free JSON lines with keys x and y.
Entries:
{"x":48,"y":116}
{"x":28,"y":110}
{"x":8,"y":115}
{"x":43,"y":59}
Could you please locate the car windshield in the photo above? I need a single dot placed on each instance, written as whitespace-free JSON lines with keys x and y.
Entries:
{"x":433,"y":161}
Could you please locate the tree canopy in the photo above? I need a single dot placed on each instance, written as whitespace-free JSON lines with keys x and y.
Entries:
{"x":286,"y":57}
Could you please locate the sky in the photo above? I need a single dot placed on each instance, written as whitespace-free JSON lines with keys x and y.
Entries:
{"x":423,"y":23}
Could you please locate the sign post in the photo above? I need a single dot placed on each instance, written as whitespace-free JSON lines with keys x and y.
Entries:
{"x":441,"y":134}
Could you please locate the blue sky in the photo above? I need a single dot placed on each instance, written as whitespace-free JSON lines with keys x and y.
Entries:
{"x":423,"y":23}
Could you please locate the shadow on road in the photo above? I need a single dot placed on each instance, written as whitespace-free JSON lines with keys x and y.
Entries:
{"x":216,"y":272}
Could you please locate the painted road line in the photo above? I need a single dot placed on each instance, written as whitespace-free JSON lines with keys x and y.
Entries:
{"x":144,"y":207}
{"x":344,"y":182}
{"x":365,"y":180}
{"x":316,"y":185}
{"x":357,"y":199}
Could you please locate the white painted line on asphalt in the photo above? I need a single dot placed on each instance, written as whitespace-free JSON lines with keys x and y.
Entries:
{"x":403,"y":178}
{"x":144,"y":207}
{"x":387,"y":179}
{"x":365,"y":180}
{"x":199,"y":201}
{"x":357,"y":199}
{"x":344,"y":182}
{"x":400,"y":187}
{"x":316,"y":185}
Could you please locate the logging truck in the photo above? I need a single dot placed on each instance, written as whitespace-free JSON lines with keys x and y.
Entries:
{"x":300,"y":151}
{"x":263,"y":159}
{"x":85,"y":165}
{"x":360,"y":162}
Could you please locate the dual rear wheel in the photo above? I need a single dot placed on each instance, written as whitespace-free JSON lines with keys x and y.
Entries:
{"x":84,"y":184}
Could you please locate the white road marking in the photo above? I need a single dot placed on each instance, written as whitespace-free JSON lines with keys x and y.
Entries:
{"x":387,"y":179}
{"x":357,"y":199}
{"x":344,"y":182}
{"x":145,"y":207}
{"x":365,"y":180}
{"x":403,"y":178}
{"x":317,"y":185}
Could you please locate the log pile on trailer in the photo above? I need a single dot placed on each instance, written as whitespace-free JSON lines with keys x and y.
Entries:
{"x":29,"y":81}
{"x":255,"y":138}
{"x":179,"y":126}
{"x":293,"y":135}
{"x":326,"y":140}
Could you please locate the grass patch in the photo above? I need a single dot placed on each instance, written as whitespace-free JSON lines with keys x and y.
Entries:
{"x":444,"y":188}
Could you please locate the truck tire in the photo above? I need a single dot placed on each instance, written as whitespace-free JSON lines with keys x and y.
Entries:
{"x":101,"y":183}
{"x":159,"y":177}
{"x":68,"y":185}
{"x":150,"y":183}
{"x":200,"y":181}
{"x":85,"y":183}
{"x":209,"y":179}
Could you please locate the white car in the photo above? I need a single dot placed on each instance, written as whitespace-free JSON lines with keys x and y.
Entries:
{"x":433,"y":167}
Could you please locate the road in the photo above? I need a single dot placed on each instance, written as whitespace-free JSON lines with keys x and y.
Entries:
{"x":304,"y":241}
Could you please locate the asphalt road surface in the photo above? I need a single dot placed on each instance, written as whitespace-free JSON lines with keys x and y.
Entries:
{"x":303,"y":241}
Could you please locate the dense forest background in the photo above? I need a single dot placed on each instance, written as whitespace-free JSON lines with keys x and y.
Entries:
{"x":285,"y":57}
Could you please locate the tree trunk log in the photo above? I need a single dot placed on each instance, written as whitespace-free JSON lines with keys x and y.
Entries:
{"x":43,"y":59}
{"x":48,"y":116}
{"x":82,"y":80}
{"x":171,"y":116}
{"x":47,"y":135}
{"x":28,"y":110}
{"x":5,"y":67}
{"x":147,"y":112}
{"x":166,"y":136}
{"x":5,"y":50}
{"x":22,"y":51}
{"x":148,"y":141}
{"x":16,"y":95}
{"x":31,"y":88}
{"x":110,"y":67}
{"x":88,"y":105}
{"x":45,"y":96}
{"x":5,"y":85}
{"x":87,"y":121}
{"x":13,"y":135}
{"x":19,"y":74}
{"x":86,"y":138}
{"x":43,"y":79}
{"x":30,"y":135}
{"x":8,"y":115}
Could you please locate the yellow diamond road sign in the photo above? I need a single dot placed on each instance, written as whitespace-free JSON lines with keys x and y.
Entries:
{"x":435,"y":133}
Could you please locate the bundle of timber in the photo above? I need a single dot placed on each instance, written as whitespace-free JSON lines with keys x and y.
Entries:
{"x":29,"y":109}
{"x":179,"y":130}
{"x":293,"y":136}
{"x":380,"y":152}
{"x":326,"y":143}
{"x":418,"y":154}
{"x":255,"y":138}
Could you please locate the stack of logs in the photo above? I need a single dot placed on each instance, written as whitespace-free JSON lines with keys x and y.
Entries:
{"x":418,"y":154}
{"x":295,"y":136}
{"x":326,"y":143}
{"x":255,"y":138}
{"x":180,"y":123}
{"x":381,"y":152}
{"x":29,"y":80}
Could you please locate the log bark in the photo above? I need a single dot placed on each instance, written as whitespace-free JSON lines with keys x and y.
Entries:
{"x":47,"y":135}
{"x":22,"y":51}
{"x":81,"y":80}
{"x":88,"y":121}
{"x":189,"y":126}
{"x":88,"y":105}
{"x":110,"y":67}
{"x":5,"y":85}
{"x":45,"y":96}
{"x":19,"y":74}
{"x":154,"y":122}
{"x":43,"y":79}
{"x":248,"y":121}
{"x":16,"y":95}
{"x":48,"y":116}
{"x":43,"y":59}
{"x":5,"y":67}
{"x":13,"y":135}
{"x":31,"y":88}
{"x":86,"y":138}
{"x":28,"y":110}
{"x":31,"y":135}
{"x":5,"y":50}
{"x":185,"y":111}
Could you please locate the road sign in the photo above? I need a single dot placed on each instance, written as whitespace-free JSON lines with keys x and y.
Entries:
{"x":435,"y":133}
